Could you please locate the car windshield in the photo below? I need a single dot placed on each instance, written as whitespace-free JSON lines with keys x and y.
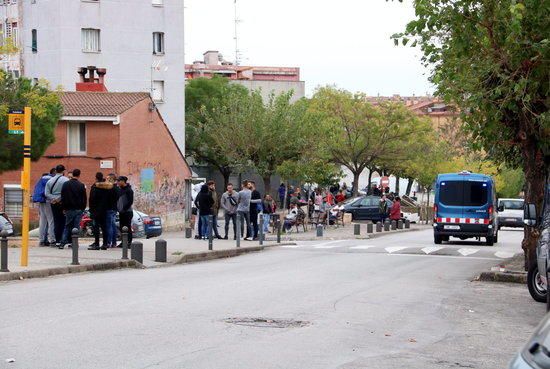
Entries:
{"x":351,"y":200}
{"x":463,"y":193}
{"x":512,"y":204}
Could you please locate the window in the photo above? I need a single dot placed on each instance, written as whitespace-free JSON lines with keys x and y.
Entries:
{"x":76,"y":138}
{"x":475,"y":193}
{"x":463,"y":193}
{"x":34,"y":45}
{"x":158,"y":42}
{"x":158,"y":2}
{"x":13,"y":201}
{"x":158,"y":91}
{"x":91,"y":40}
{"x":13,"y":32}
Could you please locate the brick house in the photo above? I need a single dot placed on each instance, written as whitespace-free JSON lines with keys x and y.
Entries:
{"x":113,"y":132}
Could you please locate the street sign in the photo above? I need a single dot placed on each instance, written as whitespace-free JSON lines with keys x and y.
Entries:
{"x":16,"y":122}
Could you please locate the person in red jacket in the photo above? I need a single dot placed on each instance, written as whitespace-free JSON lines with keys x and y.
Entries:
{"x":395,"y":212}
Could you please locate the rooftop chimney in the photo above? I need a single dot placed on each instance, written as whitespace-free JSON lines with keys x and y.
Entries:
{"x":90,"y":83}
{"x":211,"y":57}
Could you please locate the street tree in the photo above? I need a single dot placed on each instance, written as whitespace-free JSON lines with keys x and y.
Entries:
{"x":204,"y":97}
{"x":491,"y":59}
{"x":16,"y":93}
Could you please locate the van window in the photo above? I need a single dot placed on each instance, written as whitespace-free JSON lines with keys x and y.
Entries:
{"x":460,"y":193}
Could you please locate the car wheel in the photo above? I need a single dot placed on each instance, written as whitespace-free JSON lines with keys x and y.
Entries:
{"x":438,"y":239}
{"x":535,"y":284}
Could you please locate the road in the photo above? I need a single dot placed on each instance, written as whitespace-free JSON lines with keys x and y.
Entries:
{"x":342,"y":304}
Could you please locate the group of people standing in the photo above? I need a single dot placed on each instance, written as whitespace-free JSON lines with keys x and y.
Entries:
{"x":62,"y":200}
{"x":246,"y":205}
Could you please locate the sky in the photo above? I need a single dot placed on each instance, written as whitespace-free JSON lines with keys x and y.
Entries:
{"x":344,"y":43}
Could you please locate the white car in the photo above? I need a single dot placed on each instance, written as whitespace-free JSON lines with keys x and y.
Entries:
{"x":412,"y":217}
{"x":510,"y":213}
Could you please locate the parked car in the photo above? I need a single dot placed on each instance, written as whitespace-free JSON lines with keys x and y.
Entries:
{"x":143,"y":225}
{"x":534,"y":355}
{"x":6,"y":224}
{"x":363,"y":208}
{"x":152,"y":225}
{"x":465,"y":207}
{"x":510,"y":213}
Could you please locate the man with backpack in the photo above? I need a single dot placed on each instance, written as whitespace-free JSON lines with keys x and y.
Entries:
{"x":53,"y":196}
{"x":46,"y":224}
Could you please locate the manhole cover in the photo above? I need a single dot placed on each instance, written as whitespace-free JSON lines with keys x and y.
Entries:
{"x":268,"y":322}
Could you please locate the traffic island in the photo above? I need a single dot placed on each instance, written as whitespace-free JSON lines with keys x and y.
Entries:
{"x":509,"y":271}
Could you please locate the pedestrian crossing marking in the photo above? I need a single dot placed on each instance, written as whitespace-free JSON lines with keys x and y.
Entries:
{"x":325,"y":246}
{"x":467,"y":251}
{"x":290,"y":246}
{"x":428,"y":250}
{"x":504,"y":254}
{"x":361,"y":247}
{"x":391,"y":250}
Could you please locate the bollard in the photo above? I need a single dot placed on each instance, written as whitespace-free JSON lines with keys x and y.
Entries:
{"x":386,"y":226}
{"x":400,"y":224}
{"x":124,"y":237}
{"x":74,"y":246}
{"x":188,"y":232}
{"x":4,"y":252}
{"x":379,"y":227}
{"x":261,"y":233}
{"x":278,"y":223}
{"x":211,"y":232}
{"x":319,"y":230}
{"x":136,"y":252}
{"x":160,"y":251}
{"x":356,"y":229}
{"x":407,"y":224}
{"x":369,"y":227}
{"x":238,"y":238}
{"x":393,"y":225}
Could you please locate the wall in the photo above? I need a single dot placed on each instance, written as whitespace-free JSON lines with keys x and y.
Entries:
{"x":155,"y":167}
{"x":276,"y":86}
{"x":126,"y":47}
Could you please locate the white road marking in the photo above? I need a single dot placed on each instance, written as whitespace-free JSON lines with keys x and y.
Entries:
{"x":329,"y":245}
{"x":391,"y":250}
{"x":325,"y":246}
{"x":290,"y":246}
{"x":445,"y":256}
{"x":467,"y":251}
{"x":361,"y":247}
{"x":504,"y":254}
{"x":430,"y":249}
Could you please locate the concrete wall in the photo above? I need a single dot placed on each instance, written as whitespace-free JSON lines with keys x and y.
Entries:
{"x":275,"y":86}
{"x":126,"y":47}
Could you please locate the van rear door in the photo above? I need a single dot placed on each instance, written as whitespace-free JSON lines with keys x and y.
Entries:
{"x":477,"y":199}
{"x":449,"y":205}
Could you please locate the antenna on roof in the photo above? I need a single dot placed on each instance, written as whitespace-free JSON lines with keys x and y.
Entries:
{"x":236,"y":38}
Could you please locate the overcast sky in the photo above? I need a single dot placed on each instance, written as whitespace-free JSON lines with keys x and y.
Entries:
{"x":345,"y":42}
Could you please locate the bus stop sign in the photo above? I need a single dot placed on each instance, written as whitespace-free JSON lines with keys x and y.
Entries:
{"x":16,"y":122}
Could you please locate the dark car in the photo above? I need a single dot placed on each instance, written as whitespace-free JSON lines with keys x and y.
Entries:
{"x":535,"y":354}
{"x":152,"y":226}
{"x":143,"y":225}
{"x":363,"y":208}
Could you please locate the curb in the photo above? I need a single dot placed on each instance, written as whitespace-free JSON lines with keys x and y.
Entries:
{"x":70,"y":269}
{"x":365,"y":236}
{"x":506,"y":277}
{"x":222,"y":254}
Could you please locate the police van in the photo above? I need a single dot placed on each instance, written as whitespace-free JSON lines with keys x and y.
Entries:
{"x":465,"y":207}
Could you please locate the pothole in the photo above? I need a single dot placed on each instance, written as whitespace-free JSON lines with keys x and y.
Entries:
{"x":268,"y":322}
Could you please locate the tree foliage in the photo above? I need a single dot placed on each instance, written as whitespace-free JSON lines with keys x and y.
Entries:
{"x":16,"y":93}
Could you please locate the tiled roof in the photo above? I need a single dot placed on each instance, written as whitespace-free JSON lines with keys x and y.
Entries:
{"x":99,"y":104}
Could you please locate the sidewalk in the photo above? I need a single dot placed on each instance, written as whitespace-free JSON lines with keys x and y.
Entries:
{"x":511,"y":270}
{"x":46,"y":261}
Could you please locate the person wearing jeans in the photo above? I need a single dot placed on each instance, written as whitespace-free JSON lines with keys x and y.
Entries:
{"x":243,"y":210}
{"x":268,"y":209}
{"x":73,"y":201}
{"x":124,"y":206}
{"x":229,"y":202}
{"x":53,"y":196}
{"x":204,"y":203}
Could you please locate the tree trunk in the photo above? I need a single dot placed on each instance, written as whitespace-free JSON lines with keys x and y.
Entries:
{"x":409,"y":186}
{"x":369,"y":186}
{"x":534,"y":170}
{"x":226,"y":173}
{"x":356,"y":183}
{"x":267,"y":184}
{"x":397,"y":185}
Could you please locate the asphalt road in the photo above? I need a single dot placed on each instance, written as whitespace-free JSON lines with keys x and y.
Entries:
{"x":312,"y":306}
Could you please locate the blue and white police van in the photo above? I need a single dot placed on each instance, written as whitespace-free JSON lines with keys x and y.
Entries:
{"x":465,"y":207}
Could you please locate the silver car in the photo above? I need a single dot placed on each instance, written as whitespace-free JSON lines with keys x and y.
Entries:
{"x":6,"y":224}
{"x":535,"y":354}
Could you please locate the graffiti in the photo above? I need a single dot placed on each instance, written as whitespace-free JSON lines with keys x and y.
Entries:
{"x":147,"y":180}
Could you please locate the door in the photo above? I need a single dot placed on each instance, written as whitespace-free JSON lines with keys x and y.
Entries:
{"x":477,"y":199}
{"x":450,"y":200}
{"x":368,"y":209}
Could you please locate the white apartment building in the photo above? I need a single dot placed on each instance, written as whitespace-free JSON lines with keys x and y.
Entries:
{"x":139,"y":42}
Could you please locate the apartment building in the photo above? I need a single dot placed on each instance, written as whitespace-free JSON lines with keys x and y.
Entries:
{"x":140,"y":42}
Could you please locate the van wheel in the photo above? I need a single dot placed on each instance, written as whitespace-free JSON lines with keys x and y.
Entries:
{"x":490,"y":241}
{"x":535,"y":284}
{"x":438,"y":239}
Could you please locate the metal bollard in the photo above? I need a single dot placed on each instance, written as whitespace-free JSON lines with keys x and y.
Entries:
{"x":261,"y":233}
{"x":379,"y":227}
{"x":370,"y":227}
{"x":74,"y":246}
{"x":124,"y":237}
{"x":4,"y":252}
{"x":407,"y":224}
{"x":188,"y":232}
{"x":356,"y":229}
{"x":393,"y":225}
{"x":238,"y":238}
{"x":137,"y":252}
{"x":400,"y":224}
{"x":160,"y":251}
{"x":319,"y":230}
{"x":386,"y":226}
{"x":211,"y":232}
{"x":278,"y":230}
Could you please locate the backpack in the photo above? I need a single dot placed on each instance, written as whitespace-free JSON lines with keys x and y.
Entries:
{"x":39,"y":194}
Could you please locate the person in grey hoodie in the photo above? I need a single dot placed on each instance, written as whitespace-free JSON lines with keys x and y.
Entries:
{"x":229,"y":203}
{"x":243,"y":209}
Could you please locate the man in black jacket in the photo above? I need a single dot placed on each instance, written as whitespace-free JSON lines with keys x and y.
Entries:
{"x":103,"y":197}
{"x":255,"y":202}
{"x":124,"y":206}
{"x":73,"y":201}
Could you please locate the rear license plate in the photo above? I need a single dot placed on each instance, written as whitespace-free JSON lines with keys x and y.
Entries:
{"x":157,"y":222}
{"x":451,"y":227}
{"x":510,"y":220}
